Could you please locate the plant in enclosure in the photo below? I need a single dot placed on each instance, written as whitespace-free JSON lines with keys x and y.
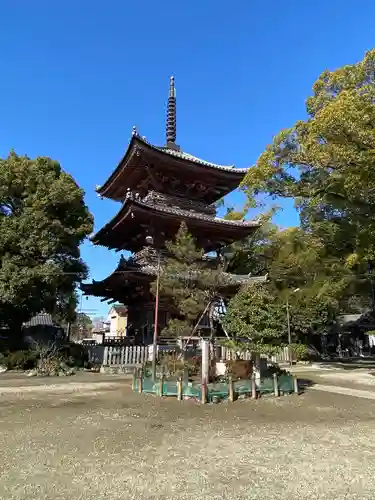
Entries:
{"x":255,"y":315}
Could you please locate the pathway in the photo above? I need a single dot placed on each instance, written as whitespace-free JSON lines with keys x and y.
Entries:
{"x":346,"y":391}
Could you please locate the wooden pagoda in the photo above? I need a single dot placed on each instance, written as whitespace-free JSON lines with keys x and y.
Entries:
{"x":160,"y":187}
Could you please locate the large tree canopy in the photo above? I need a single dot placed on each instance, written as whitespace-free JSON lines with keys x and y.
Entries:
{"x":43,"y":220}
{"x":327,"y":162}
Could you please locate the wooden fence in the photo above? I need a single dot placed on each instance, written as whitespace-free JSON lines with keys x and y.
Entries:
{"x":137,"y":355}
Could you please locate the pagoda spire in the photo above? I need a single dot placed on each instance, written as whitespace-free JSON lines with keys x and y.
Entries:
{"x":171,"y":117}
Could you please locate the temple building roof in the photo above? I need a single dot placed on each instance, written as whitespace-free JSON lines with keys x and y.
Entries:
{"x":130,"y":281}
{"x":169,"y":169}
{"x":145,"y":166}
{"x":137,"y":218}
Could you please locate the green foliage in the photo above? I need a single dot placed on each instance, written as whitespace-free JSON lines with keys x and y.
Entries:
{"x":22,"y":360}
{"x":327,"y":162}
{"x":300,"y":351}
{"x":81,"y":327}
{"x":43,"y":220}
{"x":256,"y":314}
{"x":74,"y":354}
{"x":188,"y":281}
{"x":250,"y":255}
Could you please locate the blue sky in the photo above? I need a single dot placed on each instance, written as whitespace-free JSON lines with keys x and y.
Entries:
{"x":77,"y":75}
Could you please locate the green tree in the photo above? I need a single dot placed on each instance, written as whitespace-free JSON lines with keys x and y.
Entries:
{"x":327,"y":162}
{"x":43,"y":220}
{"x":257,"y":315}
{"x":316,"y":285}
{"x":189,"y":280}
{"x":81,"y":327}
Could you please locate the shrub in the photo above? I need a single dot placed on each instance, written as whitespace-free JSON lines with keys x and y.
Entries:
{"x":74,"y":355}
{"x":300,"y":351}
{"x":239,"y":368}
{"x":193,"y":365}
{"x":22,"y":360}
{"x":3,"y":360}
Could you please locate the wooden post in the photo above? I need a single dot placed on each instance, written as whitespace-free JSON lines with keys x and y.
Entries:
{"x":253,"y":387}
{"x":161,"y":384}
{"x":140,"y":383}
{"x":179,"y":388}
{"x":231,"y":389}
{"x":204,"y":392}
{"x":275,"y":385}
{"x":295,"y":384}
{"x":205,"y":361}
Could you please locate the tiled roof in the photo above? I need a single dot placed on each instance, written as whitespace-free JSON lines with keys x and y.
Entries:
{"x":196,"y":215}
{"x":194,"y":159}
{"x":188,"y":214}
{"x":42,"y":319}
{"x":189,"y":157}
{"x":120,"y":309}
{"x":129,"y":266}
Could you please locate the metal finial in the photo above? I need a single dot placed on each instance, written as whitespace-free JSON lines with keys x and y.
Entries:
{"x":134,"y":130}
{"x":172,"y":90}
{"x":171,"y":116}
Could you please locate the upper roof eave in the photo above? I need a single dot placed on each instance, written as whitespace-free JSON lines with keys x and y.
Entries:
{"x":189,"y":159}
{"x":121,"y":214}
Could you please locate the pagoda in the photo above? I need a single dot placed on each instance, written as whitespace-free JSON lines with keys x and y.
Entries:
{"x":159,"y":187}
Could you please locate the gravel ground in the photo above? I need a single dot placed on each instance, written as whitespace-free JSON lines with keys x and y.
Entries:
{"x":109,"y":443}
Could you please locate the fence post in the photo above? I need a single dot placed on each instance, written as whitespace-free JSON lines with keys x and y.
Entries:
{"x":134,"y":379}
{"x":275,"y":385}
{"x":122,"y":355}
{"x":295,"y":385}
{"x":105,"y":357}
{"x":204,"y":392}
{"x":179,"y":389}
{"x":231,"y":389}
{"x":126,"y":355}
{"x":205,"y":360}
{"x":253,"y":387}
{"x":161,"y":384}
{"x":140,"y":386}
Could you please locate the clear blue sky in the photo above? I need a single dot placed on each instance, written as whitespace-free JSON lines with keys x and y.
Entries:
{"x":78,"y":74}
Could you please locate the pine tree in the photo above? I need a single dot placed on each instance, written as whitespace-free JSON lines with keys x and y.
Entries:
{"x":190,"y":280}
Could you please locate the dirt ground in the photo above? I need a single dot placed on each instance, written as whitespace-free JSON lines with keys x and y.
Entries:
{"x":92,"y":438}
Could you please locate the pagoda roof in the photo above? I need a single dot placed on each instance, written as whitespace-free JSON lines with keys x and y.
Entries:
{"x":137,"y":218}
{"x":147,"y":167}
{"x":130,"y":282}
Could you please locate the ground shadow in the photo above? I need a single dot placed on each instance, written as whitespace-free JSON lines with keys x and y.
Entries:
{"x":304,"y":383}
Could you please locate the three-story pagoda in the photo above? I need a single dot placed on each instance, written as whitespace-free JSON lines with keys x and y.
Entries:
{"x":159,"y":187}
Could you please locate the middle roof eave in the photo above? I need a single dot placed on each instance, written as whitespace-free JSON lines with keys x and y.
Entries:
{"x":131,"y":208}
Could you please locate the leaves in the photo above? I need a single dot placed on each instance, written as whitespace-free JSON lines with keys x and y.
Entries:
{"x":327,"y":162}
{"x":255,"y":314}
{"x":189,"y":280}
{"x":43,"y":220}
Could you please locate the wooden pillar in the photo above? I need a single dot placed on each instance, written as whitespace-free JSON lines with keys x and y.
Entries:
{"x":140,"y":381}
{"x":161,"y":384}
{"x":295,"y":385}
{"x":275,"y":385}
{"x":179,"y":388}
{"x":253,"y":386}
{"x":205,"y":360}
{"x":204,"y":393}
{"x":230,"y":389}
